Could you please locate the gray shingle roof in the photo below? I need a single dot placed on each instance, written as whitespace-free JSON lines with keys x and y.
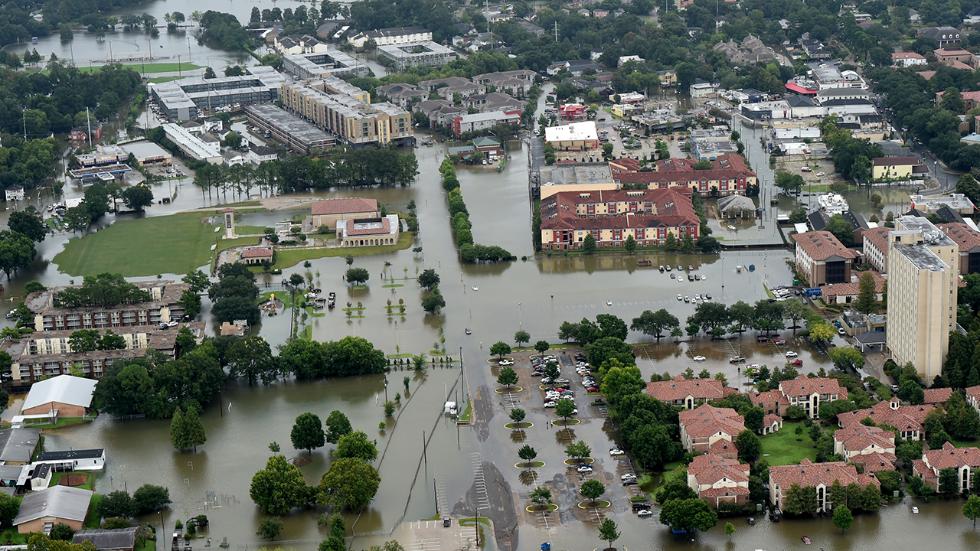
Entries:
{"x":18,"y":445}
{"x":62,"y":502}
{"x":107,"y":540}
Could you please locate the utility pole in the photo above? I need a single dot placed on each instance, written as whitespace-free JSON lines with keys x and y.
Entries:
{"x":556,"y":31}
{"x":88,"y":122}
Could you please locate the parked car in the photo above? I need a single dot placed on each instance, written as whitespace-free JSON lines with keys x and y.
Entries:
{"x":791,"y":354}
{"x":699,"y":358}
{"x":584,"y":469}
{"x":550,"y":404}
{"x":644,"y":513}
{"x":616,"y":451}
{"x":640,"y":506}
{"x":505,"y":362}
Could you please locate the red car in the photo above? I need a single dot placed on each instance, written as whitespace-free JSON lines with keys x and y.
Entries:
{"x":592,"y":389}
{"x":796,"y":362}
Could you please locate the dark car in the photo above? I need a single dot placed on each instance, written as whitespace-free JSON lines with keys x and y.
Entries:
{"x":640,"y":505}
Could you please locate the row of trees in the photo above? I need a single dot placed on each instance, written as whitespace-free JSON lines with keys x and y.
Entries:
{"x":469,"y":252}
{"x":17,"y":243}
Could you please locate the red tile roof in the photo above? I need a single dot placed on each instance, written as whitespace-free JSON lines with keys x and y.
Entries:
{"x":808,"y":474}
{"x":382,"y":227}
{"x":857,"y":437}
{"x":851,"y":288}
{"x":937,"y":396}
{"x":257,"y":252}
{"x":344,"y":206}
{"x":951,"y":457}
{"x":706,"y":420}
{"x":963,"y":235}
{"x":821,"y":245}
{"x":905,"y":418}
{"x":806,"y":386}
{"x":906,"y":55}
{"x":771,"y":418}
{"x":680,"y":388}
{"x":710,"y":468}
{"x":769,"y":400}
{"x":669,"y":208}
{"x":973,"y":392}
{"x":682,"y":172}
{"x":878,"y":237}
{"x":875,"y":462}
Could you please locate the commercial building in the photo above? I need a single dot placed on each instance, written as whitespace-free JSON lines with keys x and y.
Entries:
{"x":329,"y":62}
{"x":821,"y":258}
{"x":416,"y":54}
{"x":829,"y":75}
{"x":67,"y":395}
{"x":257,"y":256}
{"x":164,"y":306}
{"x":352,"y":119}
{"x":649,"y":216}
{"x":957,"y":58}
{"x":368,"y":232}
{"x":577,"y":136}
{"x":927,"y":204}
{"x":820,"y":476}
{"x":147,"y":153}
{"x":718,"y":480}
{"x":890,"y":169}
{"x":328,"y":212}
{"x":190,"y":98}
{"x":728,"y":175}
{"x":40,"y":511}
{"x":575,"y":178}
{"x":688,"y":393}
{"x":923,"y":271}
{"x":295,"y":133}
{"x":907,"y":59}
{"x":963,"y":460}
{"x":705,"y":426}
{"x":709,"y":144}
{"x":479,"y":122}
{"x":809,"y":392}
{"x":192,"y":145}
{"x":968,"y":241}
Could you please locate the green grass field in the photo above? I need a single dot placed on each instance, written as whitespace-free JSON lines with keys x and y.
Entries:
{"x":149,"y":67}
{"x":161,"y":80}
{"x":286,"y":257}
{"x":178,"y":243}
{"x":786,"y":447}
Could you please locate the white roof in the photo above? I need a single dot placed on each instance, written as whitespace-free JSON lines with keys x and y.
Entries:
{"x":576,"y":131}
{"x":67,"y":389}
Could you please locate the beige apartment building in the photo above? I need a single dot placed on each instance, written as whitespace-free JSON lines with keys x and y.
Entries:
{"x":347,"y":116}
{"x":923,"y":271}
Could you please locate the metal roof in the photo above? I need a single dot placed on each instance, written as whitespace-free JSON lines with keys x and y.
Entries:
{"x":67,"y":389}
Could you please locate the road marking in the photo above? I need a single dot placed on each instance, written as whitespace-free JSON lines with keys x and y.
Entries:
{"x":479,"y":482}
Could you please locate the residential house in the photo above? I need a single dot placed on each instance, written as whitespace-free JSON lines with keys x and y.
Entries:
{"x":401,"y":94}
{"x":516,"y":83}
{"x":327,"y":212}
{"x":771,"y":423}
{"x":18,"y":446}
{"x":720,"y":481}
{"x":907,"y":59}
{"x":688,"y":393}
{"x":933,"y":462}
{"x":820,"y":476}
{"x":650,"y":217}
{"x":821,"y":258}
{"x":968,"y":241}
{"x":871,"y":447}
{"x":875,"y":248}
{"x":810,"y":392}
{"x":116,"y":539}
{"x":40,"y":511}
{"x":481,"y":122}
{"x":771,"y":401}
{"x":705,"y":425}
{"x":908,"y":420}
{"x":941,"y":36}
{"x":493,"y":101}
{"x":447,"y":88}
{"x":258,"y":154}
{"x":67,"y":395}
{"x":846,"y":293}
{"x":73,"y":460}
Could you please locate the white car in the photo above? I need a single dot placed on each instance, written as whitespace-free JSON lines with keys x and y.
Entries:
{"x":699,"y":358}
{"x":616,"y":451}
{"x":550,"y":404}
{"x":643,"y":513}
{"x":171,"y":324}
{"x":680,"y":297}
{"x":791,"y":354}
{"x":584,"y":469}
{"x":628,"y":476}
{"x":505,"y":362}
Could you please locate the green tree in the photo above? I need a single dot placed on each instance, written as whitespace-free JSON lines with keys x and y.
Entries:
{"x":949,"y":482}
{"x":528,"y":454}
{"x":592,"y":490}
{"x":578,"y":451}
{"x":307,"y":432}
{"x":117,"y":504}
{"x":61,"y":532}
{"x":565,"y":408}
{"x":749,"y":446}
{"x":337,"y":426}
{"x":278,"y":488}
{"x":28,"y":222}
{"x":729,"y":529}
{"x":150,"y":498}
{"x":350,"y":484}
{"x":356,"y":445}
{"x":251,"y":358}
{"x":867,"y":294}
{"x":541,"y":495}
{"x":588,"y":244}
{"x":800,"y":500}
{"x":433,"y":301}
{"x":270,"y":528}
{"x":428,"y":279}
{"x":971,"y":509}
{"x":9,"y":507}
{"x":843,"y":517}
{"x":655,"y":323}
{"x":676,"y":488}
{"x":608,"y":531}
{"x":507,"y":377}
{"x":137,"y":197}
{"x":517,"y":415}
{"x":619,"y":382}
{"x":521,"y":338}
{"x":630,"y":245}
{"x":690,"y":515}
{"x":186,"y":429}
{"x":847,"y":358}
{"x":16,"y":252}
{"x":541,"y":347}
{"x":500,"y":349}
{"x":356,"y":276}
